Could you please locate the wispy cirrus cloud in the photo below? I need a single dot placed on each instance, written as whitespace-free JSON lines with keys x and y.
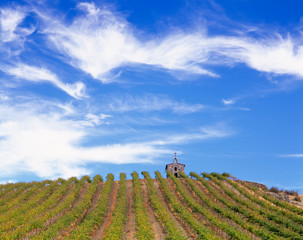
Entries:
{"x":51,"y":148}
{"x":276,"y":55}
{"x":51,"y":144}
{"x":151,"y":102}
{"x":102,"y":41}
{"x":12,"y":34}
{"x":228,"y":101}
{"x":9,"y":21}
{"x":38,"y":74}
{"x":99,"y":40}
{"x":202,"y":133}
{"x":96,"y":120}
{"x":296,"y":155}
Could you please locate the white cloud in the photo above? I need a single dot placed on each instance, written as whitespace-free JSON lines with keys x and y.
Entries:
{"x":228,"y":101}
{"x":298,"y":155}
{"x":8,"y":181}
{"x":96,"y":120}
{"x":4,"y":97}
{"x":102,"y":41}
{"x":50,"y":145}
{"x":36,"y":74}
{"x":273,"y":55}
{"x":9,"y":21}
{"x":150,"y":102}
{"x":90,"y":8}
{"x":208,"y":132}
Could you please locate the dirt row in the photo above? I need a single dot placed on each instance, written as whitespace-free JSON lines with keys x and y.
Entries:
{"x":158,"y":227}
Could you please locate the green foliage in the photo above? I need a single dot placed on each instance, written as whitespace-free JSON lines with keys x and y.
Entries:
{"x":115,"y":230}
{"x":75,"y":209}
{"x":38,"y":216}
{"x":225,"y":174}
{"x":86,"y":179}
{"x":229,"y":229}
{"x":203,"y":231}
{"x":250,"y":225}
{"x":275,"y":210}
{"x":97,"y":179}
{"x":144,"y":230}
{"x":96,"y":217}
{"x":272,"y":221}
{"x":274,"y":190}
{"x":292,"y":192}
{"x":162,"y":213}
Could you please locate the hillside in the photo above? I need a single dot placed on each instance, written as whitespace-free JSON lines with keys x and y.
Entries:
{"x":191,"y":207}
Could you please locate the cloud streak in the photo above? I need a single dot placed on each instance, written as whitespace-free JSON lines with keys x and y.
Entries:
{"x":151,"y":102}
{"x":52,"y":145}
{"x":99,"y":41}
{"x":204,"y":133}
{"x":228,"y":101}
{"x":102,"y":41}
{"x":9,"y":21}
{"x":272,"y":55}
{"x":298,"y":155}
{"x":36,"y":74}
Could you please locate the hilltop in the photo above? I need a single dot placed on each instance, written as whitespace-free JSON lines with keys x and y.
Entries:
{"x":210,"y":206}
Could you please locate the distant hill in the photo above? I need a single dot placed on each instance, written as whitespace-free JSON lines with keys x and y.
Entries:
{"x":210,"y":206}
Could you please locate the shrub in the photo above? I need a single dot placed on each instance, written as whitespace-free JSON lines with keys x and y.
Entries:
{"x":297,"y":198}
{"x":274,"y":190}
{"x":225,"y":174}
{"x":291,"y":192}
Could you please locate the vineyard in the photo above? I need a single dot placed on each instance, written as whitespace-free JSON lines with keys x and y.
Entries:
{"x":206,"y":206}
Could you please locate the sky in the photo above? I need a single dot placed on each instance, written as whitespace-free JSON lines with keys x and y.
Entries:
{"x":98,"y":87}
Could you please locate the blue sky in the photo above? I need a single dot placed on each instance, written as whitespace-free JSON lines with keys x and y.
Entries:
{"x":119,"y":86}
